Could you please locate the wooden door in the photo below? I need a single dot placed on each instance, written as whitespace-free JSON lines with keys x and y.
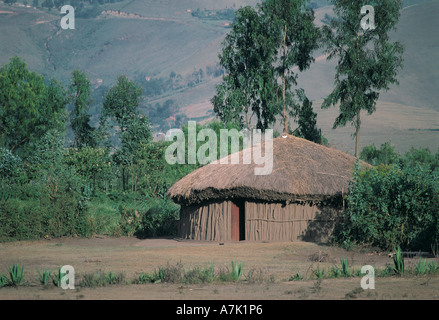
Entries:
{"x":235,"y":223}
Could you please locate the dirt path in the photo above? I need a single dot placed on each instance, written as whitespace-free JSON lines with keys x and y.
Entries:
{"x":273,"y":263}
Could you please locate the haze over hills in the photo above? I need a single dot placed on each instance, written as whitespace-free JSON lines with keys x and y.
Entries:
{"x":157,"y":42}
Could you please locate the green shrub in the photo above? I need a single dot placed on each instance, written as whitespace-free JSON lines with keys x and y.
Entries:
{"x":160,"y":219}
{"x":390,"y":206}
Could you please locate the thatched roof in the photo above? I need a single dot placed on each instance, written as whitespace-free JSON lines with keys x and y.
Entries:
{"x":302,"y":171}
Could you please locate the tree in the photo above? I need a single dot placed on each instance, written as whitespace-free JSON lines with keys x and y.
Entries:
{"x":122,"y":101}
{"x":28,"y":107}
{"x":80,"y":91}
{"x":307,"y":120}
{"x":248,"y":86}
{"x":290,"y":24}
{"x":367,"y":60}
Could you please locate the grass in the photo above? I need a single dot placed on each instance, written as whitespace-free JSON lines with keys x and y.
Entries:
{"x":16,"y":274}
{"x":102,"y":279}
{"x":44,"y":277}
{"x":398,"y":261}
{"x":178,"y":273}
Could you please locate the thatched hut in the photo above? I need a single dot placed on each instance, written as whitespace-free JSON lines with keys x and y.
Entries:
{"x":299,"y":200}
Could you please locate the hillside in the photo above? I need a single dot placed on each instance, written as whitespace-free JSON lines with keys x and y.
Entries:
{"x":151,"y":40}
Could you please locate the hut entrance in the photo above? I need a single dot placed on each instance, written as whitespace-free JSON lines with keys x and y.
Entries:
{"x":238,"y":222}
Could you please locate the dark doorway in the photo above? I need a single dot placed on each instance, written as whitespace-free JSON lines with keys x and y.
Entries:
{"x":238,"y":221}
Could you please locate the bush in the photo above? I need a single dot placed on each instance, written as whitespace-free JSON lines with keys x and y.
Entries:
{"x":160,"y":219}
{"x":390,"y":206}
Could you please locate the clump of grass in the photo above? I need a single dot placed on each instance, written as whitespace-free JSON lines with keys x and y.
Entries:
{"x":168,"y":273}
{"x":112,"y":278}
{"x":236,"y":271}
{"x":3,"y":280}
{"x":93,"y":280}
{"x":199,"y":275}
{"x":398,"y":262}
{"x":432,"y":267}
{"x":255,"y":275}
{"x":421,"y":267}
{"x":296,"y":277}
{"x":335,"y":272}
{"x":56,"y":280}
{"x":345,"y":268}
{"x":16,"y":274}
{"x":101,"y":279}
{"x":146,"y":278}
{"x":44,"y":277}
{"x":319,"y":273}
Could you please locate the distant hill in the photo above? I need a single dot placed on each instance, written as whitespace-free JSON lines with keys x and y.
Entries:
{"x":171,"y":48}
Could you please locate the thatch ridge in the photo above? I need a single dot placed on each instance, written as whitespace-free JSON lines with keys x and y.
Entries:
{"x":302,"y":171}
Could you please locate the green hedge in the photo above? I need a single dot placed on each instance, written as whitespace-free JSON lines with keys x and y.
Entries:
{"x":392,"y":205}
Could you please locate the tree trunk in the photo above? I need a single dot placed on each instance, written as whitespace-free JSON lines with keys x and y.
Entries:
{"x":357,"y":136}
{"x":286,"y":131}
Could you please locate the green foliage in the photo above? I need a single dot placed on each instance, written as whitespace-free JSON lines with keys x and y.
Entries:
{"x":319,"y":273}
{"x":421,"y":267}
{"x":30,"y":107}
{"x":16,"y":274}
{"x":295,"y":37}
{"x":398,"y":261}
{"x":345,"y":267}
{"x":3,"y":280}
{"x":392,"y":205}
{"x":367,"y":60}
{"x":44,"y":277}
{"x":122,"y":101}
{"x":307,"y":120}
{"x":236,"y":272}
{"x":249,"y":84}
{"x":10,"y":165}
{"x":160,"y":220}
{"x":99,"y":186}
{"x":80,"y":93}
{"x":385,"y":155}
{"x":264,"y":45}
{"x":296,"y":277}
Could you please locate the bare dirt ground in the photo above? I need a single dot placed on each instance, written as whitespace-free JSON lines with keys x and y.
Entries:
{"x":272,"y":263}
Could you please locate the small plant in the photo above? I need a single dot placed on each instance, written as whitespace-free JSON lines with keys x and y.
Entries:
{"x":199,"y":275}
{"x":398,"y":261}
{"x":236,"y":271}
{"x":168,"y":273}
{"x":44,"y":277}
{"x":386,"y":271}
{"x":335,"y":272}
{"x":296,"y":277}
{"x":146,"y":278}
{"x":114,"y":278}
{"x":57,"y":279}
{"x":432,"y":267}
{"x":3,"y":280}
{"x":421,"y":267}
{"x":319,"y":273}
{"x":345,"y":268}
{"x":16,"y":274}
{"x":93,"y":280}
